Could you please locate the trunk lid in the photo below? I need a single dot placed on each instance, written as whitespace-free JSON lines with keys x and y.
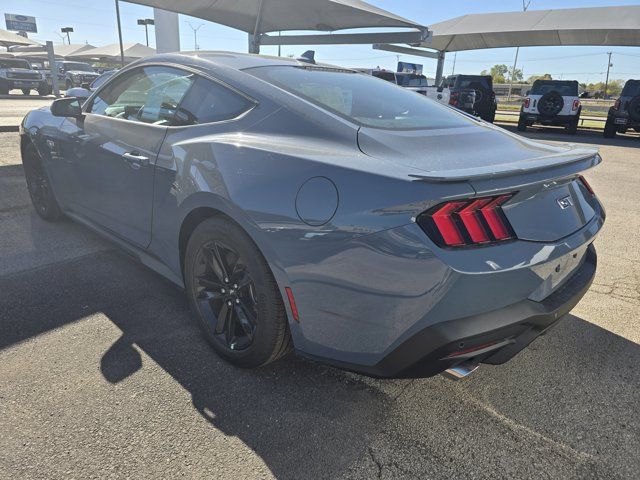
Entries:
{"x":549,"y":201}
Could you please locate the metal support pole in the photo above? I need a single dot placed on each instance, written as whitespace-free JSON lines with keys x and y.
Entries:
{"x":440,"y":68}
{"x":513,"y":71}
{"x":254,"y":38}
{"x":146,"y":33}
{"x":606,"y":83}
{"x":120,"y":33}
{"x":53,"y":66}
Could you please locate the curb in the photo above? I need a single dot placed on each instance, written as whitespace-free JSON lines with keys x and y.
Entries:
{"x":9,"y":128}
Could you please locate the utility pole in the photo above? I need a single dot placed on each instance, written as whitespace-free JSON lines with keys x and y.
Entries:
{"x":525,"y":6}
{"x":453,"y":69}
{"x":195,"y":34}
{"x":120,"y":34}
{"x":67,"y":30}
{"x":606,"y":83}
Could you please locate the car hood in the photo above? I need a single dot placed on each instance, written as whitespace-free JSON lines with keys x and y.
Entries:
{"x":467,"y":153}
{"x":20,"y":70}
{"x":80,"y":72}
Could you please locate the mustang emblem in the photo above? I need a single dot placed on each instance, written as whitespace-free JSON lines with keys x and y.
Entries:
{"x":565,"y":202}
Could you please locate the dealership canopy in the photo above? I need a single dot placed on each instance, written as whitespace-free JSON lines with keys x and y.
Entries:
{"x":8,"y":39}
{"x":111,"y":53}
{"x":60,"y":51}
{"x":602,"y":26}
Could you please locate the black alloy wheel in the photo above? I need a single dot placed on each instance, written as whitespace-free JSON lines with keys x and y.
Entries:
{"x":226,"y":295}
{"x":39,"y":186}
{"x":634,"y":109}
{"x":234,"y":296}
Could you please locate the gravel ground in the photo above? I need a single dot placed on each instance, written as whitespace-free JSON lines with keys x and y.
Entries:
{"x":104,"y":375}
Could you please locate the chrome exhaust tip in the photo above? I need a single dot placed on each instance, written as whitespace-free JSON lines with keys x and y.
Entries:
{"x":460,"y":371}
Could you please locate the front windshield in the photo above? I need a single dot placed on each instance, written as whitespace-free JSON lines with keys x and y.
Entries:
{"x":77,"y":67}
{"x":566,"y":89}
{"x":13,"y":63}
{"x":362,"y":98}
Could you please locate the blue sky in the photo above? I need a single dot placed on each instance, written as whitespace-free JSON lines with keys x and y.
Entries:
{"x":94,"y":22}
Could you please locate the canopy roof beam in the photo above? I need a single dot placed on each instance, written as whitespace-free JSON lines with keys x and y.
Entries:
{"x":405,"y":50}
{"x":416,"y":37}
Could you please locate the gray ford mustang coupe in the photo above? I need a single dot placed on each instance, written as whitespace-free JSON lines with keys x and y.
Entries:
{"x":308,"y":207}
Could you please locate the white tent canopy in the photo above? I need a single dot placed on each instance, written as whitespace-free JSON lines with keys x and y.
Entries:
{"x":262,"y":16}
{"x":8,"y":38}
{"x":606,"y":26}
{"x":132,"y":51}
{"x":60,"y":51}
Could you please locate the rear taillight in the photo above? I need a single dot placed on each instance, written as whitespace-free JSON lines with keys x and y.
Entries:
{"x":576,"y":104}
{"x":586,"y":184}
{"x":616,"y":105}
{"x":527,"y":102}
{"x":464,"y":223}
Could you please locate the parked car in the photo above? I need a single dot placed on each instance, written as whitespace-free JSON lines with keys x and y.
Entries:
{"x":86,"y":90}
{"x":625,"y":113}
{"x":309,"y":207}
{"x":415,"y":82}
{"x":18,"y":74}
{"x":551,"y":102}
{"x":473,"y":94}
{"x":74,"y":74}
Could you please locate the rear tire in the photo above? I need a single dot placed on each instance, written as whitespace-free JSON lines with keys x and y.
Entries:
{"x":610,"y":129}
{"x":522,"y":124}
{"x":44,"y":91}
{"x":39,"y":185}
{"x":233,"y":295}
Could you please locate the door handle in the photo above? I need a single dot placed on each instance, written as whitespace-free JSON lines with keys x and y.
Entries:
{"x":135,"y":159}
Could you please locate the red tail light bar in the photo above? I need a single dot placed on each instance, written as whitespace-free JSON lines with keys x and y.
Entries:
{"x":463,"y":223}
{"x":527,"y":102}
{"x":576,"y":104}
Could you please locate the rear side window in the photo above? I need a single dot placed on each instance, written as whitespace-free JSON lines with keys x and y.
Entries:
{"x":566,"y":89}
{"x":631,"y":89}
{"x":208,"y":101}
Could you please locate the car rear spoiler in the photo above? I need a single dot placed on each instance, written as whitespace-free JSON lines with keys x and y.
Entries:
{"x":582,"y":162}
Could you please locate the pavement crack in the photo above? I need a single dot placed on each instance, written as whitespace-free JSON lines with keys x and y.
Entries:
{"x":375,"y":460}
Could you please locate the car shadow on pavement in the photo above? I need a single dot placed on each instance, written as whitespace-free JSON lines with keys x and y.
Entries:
{"x":631,"y":140}
{"x":573,"y":393}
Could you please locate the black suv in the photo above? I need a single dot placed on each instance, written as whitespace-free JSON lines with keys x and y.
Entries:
{"x":485,"y":104}
{"x":625,"y":113}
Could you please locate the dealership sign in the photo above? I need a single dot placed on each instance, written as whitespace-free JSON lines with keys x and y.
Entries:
{"x":20,"y":23}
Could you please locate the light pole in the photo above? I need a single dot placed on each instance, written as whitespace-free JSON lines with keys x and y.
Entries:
{"x":195,"y":34}
{"x":146,"y":22}
{"x":606,"y":82}
{"x":525,"y":6}
{"x":67,"y":30}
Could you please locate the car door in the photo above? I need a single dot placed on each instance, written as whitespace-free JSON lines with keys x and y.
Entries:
{"x":120,"y":136}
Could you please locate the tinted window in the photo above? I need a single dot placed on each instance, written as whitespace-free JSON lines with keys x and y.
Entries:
{"x":11,"y":63}
{"x":101,"y":79}
{"x":209,"y":101}
{"x":566,"y":89}
{"x":362,"y":98}
{"x":388,"y":76}
{"x":631,"y":88}
{"x":149,"y":95}
{"x":412,"y":80}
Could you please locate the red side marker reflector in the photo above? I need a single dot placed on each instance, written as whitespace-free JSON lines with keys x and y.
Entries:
{"x":494,"y":220}
{"x":447,"y":225}
{"x":469,"y":216}
{"x":292,"y":304}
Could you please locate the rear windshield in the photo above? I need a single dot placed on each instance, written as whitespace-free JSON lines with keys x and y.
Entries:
{"x":477,"y":82}
{"x":631,"y":89}
{"x":11,"y":63}
{"x":362,"y":99}
{"x":412,"y":80}
{"x":566,"y":89}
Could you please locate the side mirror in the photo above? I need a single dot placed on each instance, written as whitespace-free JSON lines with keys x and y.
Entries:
{"x":66,"y":107}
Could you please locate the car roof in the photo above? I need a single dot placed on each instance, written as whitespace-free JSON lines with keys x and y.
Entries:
{"x":236,"y":61}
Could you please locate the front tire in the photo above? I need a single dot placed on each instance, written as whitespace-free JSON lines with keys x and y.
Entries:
{"x":610,"y":129}
{"x":233,"y":295}
{"x":39,"y":186}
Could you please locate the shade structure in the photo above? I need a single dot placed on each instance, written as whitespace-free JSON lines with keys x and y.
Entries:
{"x":285,"y":15}
{"x":602,"y":26}
{"x":111,"y":53}
{"x":60,"y":51}
{"x":8,"y":39}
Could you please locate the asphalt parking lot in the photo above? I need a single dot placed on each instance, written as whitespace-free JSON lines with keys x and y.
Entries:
{"x":104,"y":375}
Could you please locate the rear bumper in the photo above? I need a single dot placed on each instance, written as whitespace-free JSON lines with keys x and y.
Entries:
{"x":493,"y":337}
{"x":531,"y":118}
{"x":623,"y":121}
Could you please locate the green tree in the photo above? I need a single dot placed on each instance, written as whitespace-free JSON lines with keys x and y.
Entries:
{"x":533,"y":78}
{"x":497,"y":72}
